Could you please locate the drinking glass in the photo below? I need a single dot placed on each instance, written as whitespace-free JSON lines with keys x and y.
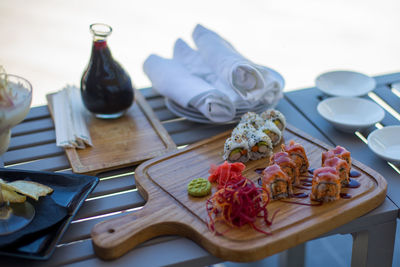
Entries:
{"x":15,"y":101}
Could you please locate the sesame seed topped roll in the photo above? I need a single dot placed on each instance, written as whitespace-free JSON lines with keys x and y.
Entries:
{"x":236,"y":149}
{"x":276,"y":117}
{"x":260,"y":145}
{"x":270,"y":129}
{"x":243,"y":128}
{"x":253,"y":118}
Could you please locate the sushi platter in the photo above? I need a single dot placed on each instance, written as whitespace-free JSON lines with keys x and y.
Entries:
{"x":170,"y":210}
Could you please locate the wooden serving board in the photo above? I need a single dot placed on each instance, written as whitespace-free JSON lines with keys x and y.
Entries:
{"x":131,"y":139}
{"x":170,"y":210}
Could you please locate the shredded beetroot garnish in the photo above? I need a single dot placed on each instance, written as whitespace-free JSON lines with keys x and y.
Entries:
{"x":226,"y":172}
{"x":239,"y":203}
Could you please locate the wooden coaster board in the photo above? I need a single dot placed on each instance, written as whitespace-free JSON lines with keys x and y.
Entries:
{"x":131,"y":139}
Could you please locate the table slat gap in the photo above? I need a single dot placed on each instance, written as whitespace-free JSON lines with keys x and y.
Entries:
{"x":30,"y":127}
{"x":109,"y":204}
{"x":54,"y":163}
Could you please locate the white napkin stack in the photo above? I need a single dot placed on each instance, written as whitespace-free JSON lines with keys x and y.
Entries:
{"x":174,"y":81}
{"x":249,"y":80}
{"x":194,"y":63}
{"x":68,"y":109}
{"x":215,"y":79}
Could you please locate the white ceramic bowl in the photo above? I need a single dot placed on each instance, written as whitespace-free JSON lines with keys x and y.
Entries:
{"x":345,"y":83}
{"x":350,"y":114}
{"x":385,"y":143}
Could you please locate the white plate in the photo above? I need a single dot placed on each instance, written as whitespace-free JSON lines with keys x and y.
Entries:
{"x":182,"y":112}
{"x":196,"y":116}
{"x":385,"y":143}
{"x":349,"y":114}
{"x":345,"y":83}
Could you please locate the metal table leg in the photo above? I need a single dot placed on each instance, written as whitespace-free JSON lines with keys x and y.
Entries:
{"x":374,"y":246}
{"x":293,"y":257}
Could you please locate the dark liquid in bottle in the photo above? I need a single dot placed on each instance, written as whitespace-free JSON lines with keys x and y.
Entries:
{"x":105,"y":86}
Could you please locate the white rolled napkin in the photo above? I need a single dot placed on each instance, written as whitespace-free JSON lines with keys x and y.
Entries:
{"x":251,"y":81}
{"x":68,"y":109}
{"x":175,"y":82}
{"x":195,"y":64}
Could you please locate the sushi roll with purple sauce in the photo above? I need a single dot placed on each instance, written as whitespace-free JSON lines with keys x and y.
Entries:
{"x":326,"y":185}
{"x":276,"y":182}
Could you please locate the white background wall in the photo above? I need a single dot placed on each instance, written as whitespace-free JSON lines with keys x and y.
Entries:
{"x":48,"y":42}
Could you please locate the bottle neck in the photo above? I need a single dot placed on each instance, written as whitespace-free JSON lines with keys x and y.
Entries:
{"x":100,"y":33}
{"x":99,"y":43}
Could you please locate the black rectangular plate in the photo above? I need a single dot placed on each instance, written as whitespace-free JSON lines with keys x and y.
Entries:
{"x":70,"y":191}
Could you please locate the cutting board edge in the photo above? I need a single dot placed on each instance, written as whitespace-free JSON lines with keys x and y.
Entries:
{"x":263,"y":247}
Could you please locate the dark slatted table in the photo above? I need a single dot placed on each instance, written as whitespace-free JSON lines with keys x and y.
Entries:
{"x":33,"y":147}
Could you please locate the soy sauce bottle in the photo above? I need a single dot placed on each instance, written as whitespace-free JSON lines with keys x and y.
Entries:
{"x":106,"y":88}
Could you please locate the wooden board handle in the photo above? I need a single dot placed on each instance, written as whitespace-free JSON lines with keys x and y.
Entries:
{"x":113,"y":238}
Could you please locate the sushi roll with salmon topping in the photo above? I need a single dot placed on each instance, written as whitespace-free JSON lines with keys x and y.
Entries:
{"x":276,"y":117}
{"x":339,"y":152}
{"x":276,"y":182}
{"x":273,"y":132}
{"x":287,"y":165}
{"x":326,"y":185}
{"x":342,"y":168}
{"x":298,"y":154}
{"x":253,"y":118}
{"x":260,"y":145}
{"x":236,"y":149}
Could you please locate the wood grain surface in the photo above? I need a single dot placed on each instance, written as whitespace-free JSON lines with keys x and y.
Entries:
{"x":170,"y":210}
{"x":131,"y":139}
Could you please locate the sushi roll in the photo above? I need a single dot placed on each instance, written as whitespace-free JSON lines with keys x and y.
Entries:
{"x":298,"y":154}
{"x":260,"y":145}
{"x":253,"y":118}
{"x":287,"y":165}
{"x":326,"y":185}
{"x":276,"y":182}
{"x":339,"y":152}
{"x":276,"y":117}
{"x":342,"y":168}
{"x":236,"y":149}
{"x":270,"y":129}
{"x":244,"y":129}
